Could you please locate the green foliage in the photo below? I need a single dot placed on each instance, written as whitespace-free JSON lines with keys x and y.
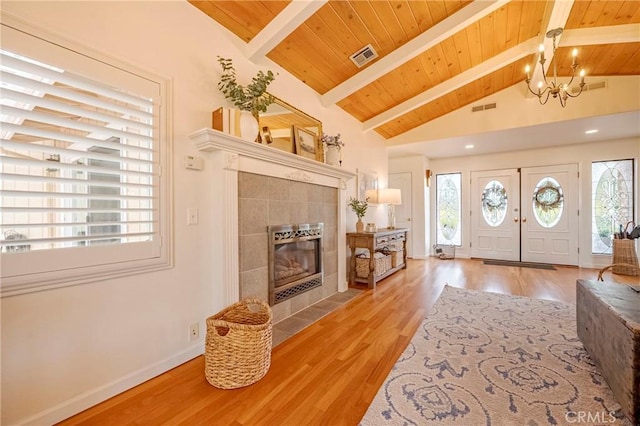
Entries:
{"x":252,"y":97}
{"x":358,"y":207}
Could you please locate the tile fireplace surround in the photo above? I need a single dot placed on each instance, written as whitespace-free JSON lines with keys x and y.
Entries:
{"x":297,"y":190}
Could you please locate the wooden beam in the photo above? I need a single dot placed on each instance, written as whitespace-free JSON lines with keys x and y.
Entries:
{"x":472,"y":74}
{"x":294,"y":15}
{"x":434,"y":35}
{"x":628,"y":33}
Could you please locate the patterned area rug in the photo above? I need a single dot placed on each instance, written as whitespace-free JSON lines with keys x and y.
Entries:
{"x":485,"y":358}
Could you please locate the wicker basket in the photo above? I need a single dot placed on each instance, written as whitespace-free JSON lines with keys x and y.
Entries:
{"x":397,"y":257}
{"x":382,"y":265}
{"x":238,"y":344}
{"x":624,"y":253}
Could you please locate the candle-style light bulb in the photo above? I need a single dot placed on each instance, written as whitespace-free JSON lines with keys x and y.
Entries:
{"x":574,"y":53}
{"x":541,"y":50}
{"x":527,"y":70}
{"x":582,"y":76}
{"x":539,"y":88}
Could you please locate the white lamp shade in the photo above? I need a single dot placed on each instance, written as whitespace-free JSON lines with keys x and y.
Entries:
{"x":390,"y":196}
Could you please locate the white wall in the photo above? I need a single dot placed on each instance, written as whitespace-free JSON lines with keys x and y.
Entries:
{"x":66,"y":349}
{"x":582,"y":155}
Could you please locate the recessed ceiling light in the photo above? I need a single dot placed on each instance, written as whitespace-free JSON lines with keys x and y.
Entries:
{"x":588,"y":132}
{"x":468,"y":146}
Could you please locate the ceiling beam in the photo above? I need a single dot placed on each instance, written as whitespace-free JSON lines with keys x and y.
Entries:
{"x":291,"y":17}
{"x":579,"y":37}
{"x":487,"y":67}
{"x":434,"y":35}
{"x":628,"y":33}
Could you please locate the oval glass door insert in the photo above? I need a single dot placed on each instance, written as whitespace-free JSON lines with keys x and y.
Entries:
{"x":548,"y":202}
{"x":494,"y":203}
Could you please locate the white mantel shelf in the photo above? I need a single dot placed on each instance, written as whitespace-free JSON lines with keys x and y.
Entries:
{"x":213,"y":140}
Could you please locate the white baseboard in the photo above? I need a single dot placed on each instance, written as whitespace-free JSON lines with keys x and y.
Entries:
{"x":90,"y":398}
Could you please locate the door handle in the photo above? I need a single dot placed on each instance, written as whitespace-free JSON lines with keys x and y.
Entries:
{"x":515,"y":219}
{"x":524,"y":219}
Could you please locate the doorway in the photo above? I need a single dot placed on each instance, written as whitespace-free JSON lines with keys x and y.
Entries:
{"x":402,"y":181}
{"x":528,"y":214}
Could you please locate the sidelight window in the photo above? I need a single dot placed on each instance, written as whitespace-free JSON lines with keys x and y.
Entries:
{"x":448,"y":208}
{"x":612,"y":192}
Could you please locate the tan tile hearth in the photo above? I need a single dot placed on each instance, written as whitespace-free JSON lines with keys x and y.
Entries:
{"x":293,"y":324}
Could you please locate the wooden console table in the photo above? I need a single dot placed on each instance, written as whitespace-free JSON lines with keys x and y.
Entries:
{"x":373,"y":241}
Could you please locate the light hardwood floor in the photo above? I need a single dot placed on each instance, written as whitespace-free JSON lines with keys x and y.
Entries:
{"x":329,"y":373}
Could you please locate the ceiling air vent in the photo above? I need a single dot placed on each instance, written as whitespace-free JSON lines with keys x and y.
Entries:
{"x":590,"y":86}
{"x":483,"y":107}
{"x":364,"y":56}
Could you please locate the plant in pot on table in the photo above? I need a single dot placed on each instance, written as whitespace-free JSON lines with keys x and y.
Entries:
{"x":252,"y":98}
{"x":360,"y":209}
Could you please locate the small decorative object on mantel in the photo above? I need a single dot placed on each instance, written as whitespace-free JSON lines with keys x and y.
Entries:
{"x":334,"y":149}
{"x":360,"y":209}
{"x":251,"y":99}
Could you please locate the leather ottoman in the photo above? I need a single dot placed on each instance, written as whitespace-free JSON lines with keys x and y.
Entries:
{"x":608,"y":321}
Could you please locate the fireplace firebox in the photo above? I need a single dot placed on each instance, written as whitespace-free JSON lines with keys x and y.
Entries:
{"x":295,"y":260}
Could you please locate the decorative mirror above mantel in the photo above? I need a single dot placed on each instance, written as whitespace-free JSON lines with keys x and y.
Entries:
{"x":278,"y":123}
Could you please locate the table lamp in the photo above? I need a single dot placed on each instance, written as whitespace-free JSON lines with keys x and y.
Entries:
{"x":392,"y":197}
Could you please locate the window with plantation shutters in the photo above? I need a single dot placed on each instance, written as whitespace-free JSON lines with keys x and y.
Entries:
{"x":82,"y":193}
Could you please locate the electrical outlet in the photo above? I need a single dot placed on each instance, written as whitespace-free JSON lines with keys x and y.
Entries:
{"x":194,"y":331}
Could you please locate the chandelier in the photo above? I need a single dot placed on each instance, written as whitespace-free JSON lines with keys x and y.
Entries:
{"x":553,"y":88}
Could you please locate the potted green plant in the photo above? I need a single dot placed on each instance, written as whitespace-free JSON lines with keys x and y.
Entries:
{"x":360,"y":209}
{"x":252,"y":98}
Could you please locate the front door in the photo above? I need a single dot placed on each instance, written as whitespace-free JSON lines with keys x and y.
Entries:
{"x":495,"y":214}
{"x":528,"y":214}
{"x":550,"y":214}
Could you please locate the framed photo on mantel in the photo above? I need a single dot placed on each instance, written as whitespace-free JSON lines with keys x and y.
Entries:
{"x":307,"y":144}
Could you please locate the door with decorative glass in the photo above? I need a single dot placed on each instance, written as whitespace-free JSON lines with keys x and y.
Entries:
{"x":528,"y":214}
{"x":495,"y":215}
{"x":550,"y":214}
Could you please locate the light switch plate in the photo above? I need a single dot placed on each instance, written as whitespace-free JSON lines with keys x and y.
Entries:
{"x":193,"y":163}
{"x":192,"y":216}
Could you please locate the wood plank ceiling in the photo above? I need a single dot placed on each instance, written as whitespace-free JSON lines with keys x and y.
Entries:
{"x":434,"y":56}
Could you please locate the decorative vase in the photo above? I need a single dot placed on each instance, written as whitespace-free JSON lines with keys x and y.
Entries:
{"x":359,"y":225}
{"x":248,"y":126}
{"x":333,"y":155}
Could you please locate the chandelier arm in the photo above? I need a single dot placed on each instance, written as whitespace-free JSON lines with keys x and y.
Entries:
{"x":532,"y":92}
{"x":563,"y":100}
{"x":547,"y":91}
{"x":544,"y":74}
{"x":546,"y":99}
{"x":577,"y":94}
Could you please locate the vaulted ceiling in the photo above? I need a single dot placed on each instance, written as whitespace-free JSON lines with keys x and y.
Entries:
{"x":434,"y":56}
